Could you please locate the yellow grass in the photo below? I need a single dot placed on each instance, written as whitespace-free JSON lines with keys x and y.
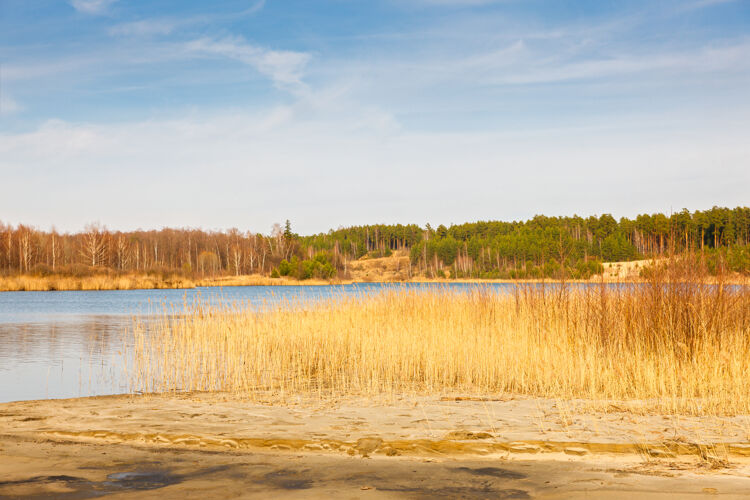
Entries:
{"x":22,"y":282}
{"x":97,"y":282}
{"x":257,"y":280}
{"x":681,"y":347}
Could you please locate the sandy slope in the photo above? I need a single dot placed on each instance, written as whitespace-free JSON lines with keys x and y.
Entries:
{"x":213,"y":446}
{"x":628,"y":270}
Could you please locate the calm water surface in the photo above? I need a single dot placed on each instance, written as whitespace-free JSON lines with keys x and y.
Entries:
{"x":69,"y":344}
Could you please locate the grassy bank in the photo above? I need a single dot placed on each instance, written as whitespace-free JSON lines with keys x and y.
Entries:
{"x":367,"y":270}
{"x":28,"y":283}
{"x":148,"y":281}
{"x":683,"y":347}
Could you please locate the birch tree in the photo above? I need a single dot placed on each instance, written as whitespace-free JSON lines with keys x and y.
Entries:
{"x":94,"y":247}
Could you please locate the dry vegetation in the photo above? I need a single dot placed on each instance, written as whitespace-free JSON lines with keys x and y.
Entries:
{"x":27,"y":283}
{"x":387,"y":269}
{"x":392,"y":269}
{"x":258,"y":280}
{"x":627,"y":270}
{"x":678,"y":343}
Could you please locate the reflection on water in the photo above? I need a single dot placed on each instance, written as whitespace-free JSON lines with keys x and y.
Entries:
{"x":68,"y":344}
{"x":62,"y":357}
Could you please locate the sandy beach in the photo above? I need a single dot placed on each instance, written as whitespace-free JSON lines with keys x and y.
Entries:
{"x":453,"y":446}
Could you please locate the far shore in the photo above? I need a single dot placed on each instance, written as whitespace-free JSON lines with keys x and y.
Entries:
{"x":29,"y":283}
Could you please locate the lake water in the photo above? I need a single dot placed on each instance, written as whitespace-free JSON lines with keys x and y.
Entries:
{"x":69,"y":344}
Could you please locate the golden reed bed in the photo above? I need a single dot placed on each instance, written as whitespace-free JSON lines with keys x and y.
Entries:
{"x":28,"y":283}
{"x":679,"y":347}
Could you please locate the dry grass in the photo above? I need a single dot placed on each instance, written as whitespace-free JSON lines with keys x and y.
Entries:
{"x":680,"y":345}
{"x":258,"y":280}
{"x":383,"y":269}
{"x":27,"y":283}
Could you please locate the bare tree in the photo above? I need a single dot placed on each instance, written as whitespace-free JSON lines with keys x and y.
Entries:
{"x":208,"y":262}
{"x":54,"y":248}
{"x":25,"y":247}
{"x":277,"y":235}
{"x":122,"y":251}
{"x":7,"y":241}
{"x":94,"y":246}
{"x":236,"y":256}
{"x":251,"y":249}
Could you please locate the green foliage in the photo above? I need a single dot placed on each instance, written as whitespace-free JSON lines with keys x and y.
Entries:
{"x":584,"y":269}
{"x":285,"y":268}
{"x":288,"y":234}
{"x":416,"y":252}
{"x":375,"y":254}
{"x":733,"y":259}
{"x":540,"y":246}
{"x":543,"y":246}
{"x":446,"y":249}
{"x":317,"y":267}
{"x":617,"y":248}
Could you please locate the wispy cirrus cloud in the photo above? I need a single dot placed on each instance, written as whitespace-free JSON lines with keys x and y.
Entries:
{"x":256,"y":7}
{"x":535,"y":62}
{"x":161,"y":26}
{"x":700,"y":4}
{"x":91,"y":6}
{"x":284,"y":67}
{"x":555,"y":102}
{"x":733,"y":58}
{"x":146,"y":27}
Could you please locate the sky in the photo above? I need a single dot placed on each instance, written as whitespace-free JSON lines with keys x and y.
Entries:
{"x":331,"y":113}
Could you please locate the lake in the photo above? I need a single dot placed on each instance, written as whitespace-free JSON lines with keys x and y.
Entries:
{"x":70,"y":344}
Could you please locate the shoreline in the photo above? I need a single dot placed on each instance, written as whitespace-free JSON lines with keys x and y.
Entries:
{"x":388,"y":424}
{"x":103,"y":283}
{"x":380,"y":447}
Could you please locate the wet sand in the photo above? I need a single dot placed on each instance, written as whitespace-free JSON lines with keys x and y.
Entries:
{"x":213,"y":446}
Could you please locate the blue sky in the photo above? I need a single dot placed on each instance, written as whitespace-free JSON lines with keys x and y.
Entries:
{"x":245,"y":113}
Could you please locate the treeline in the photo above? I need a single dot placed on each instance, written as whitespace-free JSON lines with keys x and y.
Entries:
{"x":549,"y":246}
{"x":189,"y":252}
{"x":539,"y":247}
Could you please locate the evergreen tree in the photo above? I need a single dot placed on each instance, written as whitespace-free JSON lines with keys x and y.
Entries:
{"x":288,"y":230}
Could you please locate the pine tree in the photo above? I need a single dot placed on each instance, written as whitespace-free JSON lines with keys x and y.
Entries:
{"x":288,"y":230}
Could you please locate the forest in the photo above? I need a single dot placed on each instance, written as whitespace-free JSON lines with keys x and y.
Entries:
{"x":540,"y":247}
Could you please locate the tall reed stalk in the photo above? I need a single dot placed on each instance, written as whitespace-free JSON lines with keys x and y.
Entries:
{"x":680,"y":345}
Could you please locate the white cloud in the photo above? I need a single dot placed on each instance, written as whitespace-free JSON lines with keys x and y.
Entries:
{"x":167,"y":25}
{"x":284,"y":67}
{"x":146,"y":27}
{"x":326,"y":169}
{"x":700,"y":4}
{"x":532,"y":62}
{"x":734,"y":58}
{"x":8,"y":105}
{"x":256,"y":7}
{"x":91,"y":6}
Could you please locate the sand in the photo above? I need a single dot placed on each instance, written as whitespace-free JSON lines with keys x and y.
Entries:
{"x":215,"y":446}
